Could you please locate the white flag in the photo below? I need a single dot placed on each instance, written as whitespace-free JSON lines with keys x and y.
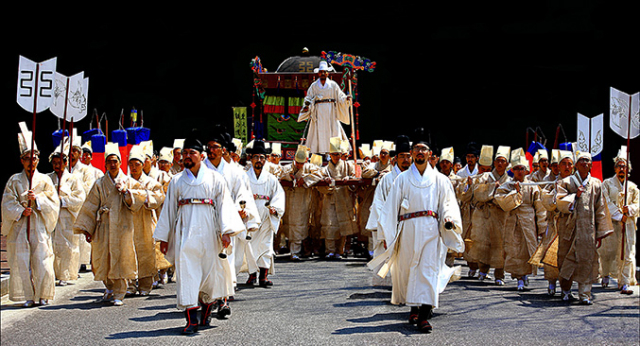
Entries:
{"x":74,"y":90}
{"x":35,"y":84}
{"x":590,"y":134}
{"x":621,"y":107}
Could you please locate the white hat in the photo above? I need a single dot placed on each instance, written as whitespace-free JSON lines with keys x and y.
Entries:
{"x":166,"y":154}
{"x":112,"y":149}
{"x":24,"y":140}
{"x":323,"y":66}
{"x":276,"y":148}
{"x":486,"y":155}
{"x":77,"y":140}
{"x":147,"y":148}
{"x":316,"y":160}
{"x":335,"y":145}
{"x":377,"y":146}
{"x":542,"y":154}
{"x":137,"y":153}
{"x":555,"y":156}
{"x":302,"y":154}
{"x":583,"y":155}
{"x":365,"y":150}
{"x":519,"y":158}
{"x":344,"y":146}
{"x":447,"y":154}
{"x":238,"y":143}
{"x":565,"y":154}
{"x":178,"y":143}
{"x":503,"y":151}
{"x":61,"y":149}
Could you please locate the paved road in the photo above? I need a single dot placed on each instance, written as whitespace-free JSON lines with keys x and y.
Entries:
{"x":330,"y":303}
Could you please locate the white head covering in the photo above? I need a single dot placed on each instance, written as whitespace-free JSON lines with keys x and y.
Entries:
{"x":24,"y":140}
{"x":302,"y":154}
{"x":503,"y":151}
{"x":486,"y":155}
{"x":166,"y":154}
{"x":447,"y":154}
{"x":137,"y":153}
{"x":112,"y":149}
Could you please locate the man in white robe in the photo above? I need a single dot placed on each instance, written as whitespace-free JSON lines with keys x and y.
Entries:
{"x":238,"y":185}
{"x":420,"y":220}
{"x":270,"y":201}
{"x":196,"y":224}
{"x":325,"y":108}
{"x":29,"y":253}
{"x":402,"y":154}
{"x":66,"y":245}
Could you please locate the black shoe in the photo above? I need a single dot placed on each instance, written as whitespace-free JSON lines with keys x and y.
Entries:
{"x":205,"y":314}
{"x":224,"y":310}
{"x":263,"y":278}
{"x":424,"y":326}
{"x":413,"y":315}
{"x":191,"y":315}
{"x":252,"y":279}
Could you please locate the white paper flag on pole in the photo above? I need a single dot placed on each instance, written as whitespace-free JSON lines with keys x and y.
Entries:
{"x":74,"y":90}
{"x":619,"y":114}
{"x":35,"y":84}
{"x":590,"y":134}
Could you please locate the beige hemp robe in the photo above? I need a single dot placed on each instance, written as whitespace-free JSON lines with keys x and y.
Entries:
{"x":298,"y":203}
{"x":31,"y":261}
{"x":66,"y":244}
{"x":148,"y":195}
{"x":618,"y":251}
{"x":87,"y":175}
{"x":110,"y":222}
{"x":488,"y":221}
{"x":526,"y":219}
{"x":588,"y":220}
{"x":337,"y":215}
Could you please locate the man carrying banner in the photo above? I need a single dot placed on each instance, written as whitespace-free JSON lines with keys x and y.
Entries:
{"x":581,"y":196}
{"x":28,"y":218}
{"x":618,"y":251}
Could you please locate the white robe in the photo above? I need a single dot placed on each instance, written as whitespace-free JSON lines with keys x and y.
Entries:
{"x":193,"y":232}
{"x":262,"y":239}
{"x":87,"y":175}
{"x":238,"y":184}
{"x":379,"y":198}
{"x":325,"y":118}
{"x":66,"y":244}
{"x":30,"y":260}
{"x":416,"y":246}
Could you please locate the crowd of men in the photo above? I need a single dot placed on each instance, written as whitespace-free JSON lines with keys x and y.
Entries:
{"x":208,"y":209}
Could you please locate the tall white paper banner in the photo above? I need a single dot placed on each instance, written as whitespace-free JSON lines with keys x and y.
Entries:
{"x":619,"y":113}
{"x":76,"y":96}
{"x":35,"y":82}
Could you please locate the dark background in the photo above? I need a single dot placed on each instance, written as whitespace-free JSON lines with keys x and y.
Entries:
{"x":464,"y":71}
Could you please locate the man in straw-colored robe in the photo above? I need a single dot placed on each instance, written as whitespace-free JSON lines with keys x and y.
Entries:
{"x":546,"y":254}
{"x":148,"y":196}
{"x":526,"y":220}
{"x":197,"y":222}
{"x":419,"y":205}
{"x":107,"y":222}
{"x":337,"y":215}
{"x":66,"y":246}
{"x":618,"y":251}
{"x":298,"y":199}
{"x":489,"y":219}
{"x":581,"y":197}
{"x":30,"y":258}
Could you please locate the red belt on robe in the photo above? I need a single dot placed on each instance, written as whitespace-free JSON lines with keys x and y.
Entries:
{"x":256,"y":196}
{"x":408,"y":216}
{"x":186,"y":201}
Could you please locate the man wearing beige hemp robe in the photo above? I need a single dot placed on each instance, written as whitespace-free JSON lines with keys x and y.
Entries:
{"x":581,"y":196}
{"x":107,"y":222}
{"x":29,"y":253}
